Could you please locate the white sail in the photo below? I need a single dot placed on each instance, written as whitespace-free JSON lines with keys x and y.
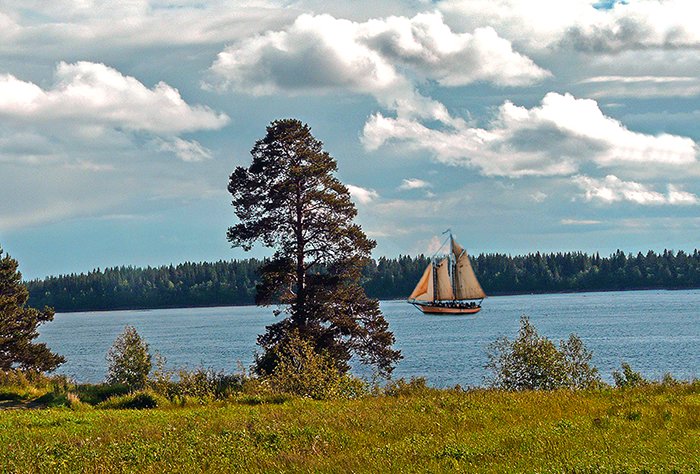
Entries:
{"x":424,"y":290}
{"x":444,"y":282}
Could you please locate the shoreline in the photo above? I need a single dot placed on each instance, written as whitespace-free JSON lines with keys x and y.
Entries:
{"x":493,"y":295}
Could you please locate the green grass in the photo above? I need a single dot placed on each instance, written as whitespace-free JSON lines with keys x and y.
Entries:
{"x":647,"y":429}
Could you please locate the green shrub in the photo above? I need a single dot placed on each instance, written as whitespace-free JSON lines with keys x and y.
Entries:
{"x":97,"y":393}
{"x":352,"y":387}
{"x":303,"y":372}
{"x":129,"y":360}
{"x":577,"y":368}
{"x":533,"y":362}
{"x":162,"y":380}
{"x":25,"y":379}
{"x":51,"y":400}
{"x":401,"y":388}
{"x":75,"y":403}
{"x":135,"y":401}
{"x":16,"y":378}
{"x":201,"y":384}
{"x":628,"y":378}
{"x":204,"y":384}
{"x":668,"y":380}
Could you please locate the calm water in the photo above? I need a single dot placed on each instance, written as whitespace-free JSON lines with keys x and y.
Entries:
{"x":655,"y":331}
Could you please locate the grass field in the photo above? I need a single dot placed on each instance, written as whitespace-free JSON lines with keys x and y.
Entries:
{"x":652,"y":429}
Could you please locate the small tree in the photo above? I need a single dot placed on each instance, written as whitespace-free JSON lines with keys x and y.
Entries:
{"x":628,"y":378}
{"x":129,"y":360}
{"x":577,"y":359}
{"x":533,"y":362}
{"x":19,"y":323}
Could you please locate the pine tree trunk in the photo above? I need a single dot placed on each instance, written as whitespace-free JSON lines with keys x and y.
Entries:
{"x":299,"y":234}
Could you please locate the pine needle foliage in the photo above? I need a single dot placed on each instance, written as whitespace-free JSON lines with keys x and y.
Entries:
{"x":19,"y":323}
{"x":289,"y":199}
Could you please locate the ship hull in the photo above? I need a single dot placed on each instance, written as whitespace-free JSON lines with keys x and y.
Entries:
{"x":429,"y":309}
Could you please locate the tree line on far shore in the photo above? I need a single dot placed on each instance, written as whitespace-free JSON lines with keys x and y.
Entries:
{"x":233,"y":282}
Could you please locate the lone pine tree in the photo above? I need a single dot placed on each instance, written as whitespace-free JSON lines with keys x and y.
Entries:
{"x":289,"y":199}
{"x":18,"y":324}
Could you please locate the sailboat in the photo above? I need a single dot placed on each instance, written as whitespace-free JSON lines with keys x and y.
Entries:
{"x":449,"y":285}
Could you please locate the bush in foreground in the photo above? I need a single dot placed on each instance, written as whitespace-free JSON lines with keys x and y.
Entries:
{"x":129,"y":360}
{"x":628,"y":378}
{"x":303,"y":372}
{"x":533,"y":362}
{"x":135,"y":401}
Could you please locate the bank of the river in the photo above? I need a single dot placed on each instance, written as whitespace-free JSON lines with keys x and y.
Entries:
{"x":647,"y":429}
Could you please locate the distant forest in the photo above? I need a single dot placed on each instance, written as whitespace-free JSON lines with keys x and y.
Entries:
{"x":233,"y":282}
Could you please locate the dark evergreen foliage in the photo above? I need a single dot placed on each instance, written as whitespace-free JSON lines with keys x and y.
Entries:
{"x":186,"y":285}
{"x":289,"y":199}
{"x":233,"y":282}
{"x":19,"y":322}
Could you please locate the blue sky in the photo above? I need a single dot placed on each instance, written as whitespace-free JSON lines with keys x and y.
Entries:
{"x":522,"y":126}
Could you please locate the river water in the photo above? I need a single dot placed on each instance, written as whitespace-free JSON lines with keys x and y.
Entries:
{"x":655,"y":331}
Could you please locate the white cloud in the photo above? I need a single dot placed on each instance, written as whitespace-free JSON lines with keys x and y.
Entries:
{"x":554,"y":138}
{"x":538,"y":196}
{"x":638,"y":25}
{"x":53,"y":211}
{"x":187,"y":150}
{"x":612,"y":189}
{"x":414,"y":183}
{"x":362,"y":195}
{"x":380,"y":57}
{"x":69,"y":25}
{"x":434,"y":245}
{"x":576,"y":39}
{"x":637,"y":79}
{"x":97,"y":94}
{"x":580,"y":222}
{"x":93,"y":109}
{"x":644,"y":38}
{"x":545,"y":24}
{"x":86,"y":143}
{"x":677,"y":196}
{"x":643,"y":86}
{"x":86,"y":165}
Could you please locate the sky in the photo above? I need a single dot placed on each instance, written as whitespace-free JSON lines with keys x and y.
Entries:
{"x":522,"y":126}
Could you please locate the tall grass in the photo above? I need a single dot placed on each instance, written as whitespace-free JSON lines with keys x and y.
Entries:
{"x":650,"y":428}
